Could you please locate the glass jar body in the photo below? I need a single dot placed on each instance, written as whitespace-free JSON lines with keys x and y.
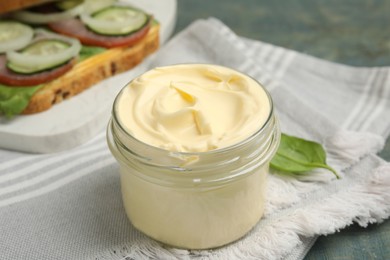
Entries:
{"x":212,"y":201}
{"x":194,"y":218}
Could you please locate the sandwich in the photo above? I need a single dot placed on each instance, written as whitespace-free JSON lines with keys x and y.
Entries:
{"x":53,"y":50}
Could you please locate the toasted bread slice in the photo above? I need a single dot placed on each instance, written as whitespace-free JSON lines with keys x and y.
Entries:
{"x":93,"y":70}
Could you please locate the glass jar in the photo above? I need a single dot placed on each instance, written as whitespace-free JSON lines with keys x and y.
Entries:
{"x":194,"y":200}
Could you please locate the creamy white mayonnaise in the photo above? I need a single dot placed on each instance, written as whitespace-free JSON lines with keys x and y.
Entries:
{"x":193,"y":108}
{"x":196,"y":218}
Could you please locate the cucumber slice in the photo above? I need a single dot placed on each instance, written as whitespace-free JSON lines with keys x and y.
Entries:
{"x":43,"y":51}
{"x":116,"y":20}
{"x":14,"y":35}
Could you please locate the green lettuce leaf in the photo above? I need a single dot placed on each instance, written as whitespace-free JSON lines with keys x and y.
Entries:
{"x":89,"y":51}
{"x":13,"y":100}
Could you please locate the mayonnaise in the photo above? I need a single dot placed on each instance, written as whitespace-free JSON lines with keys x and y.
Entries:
{"x":193,"y":108}
{"x":220,"y":123}
{"x":195,"y":218}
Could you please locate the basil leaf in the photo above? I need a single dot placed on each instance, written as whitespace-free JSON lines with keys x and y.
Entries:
{"x":299,"y":156}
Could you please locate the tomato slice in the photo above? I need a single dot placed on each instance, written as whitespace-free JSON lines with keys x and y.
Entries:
{"x":76,"y":28}
{"x":10,"y":78}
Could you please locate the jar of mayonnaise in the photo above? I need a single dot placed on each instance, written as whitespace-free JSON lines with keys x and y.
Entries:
{"x":193,"y":142}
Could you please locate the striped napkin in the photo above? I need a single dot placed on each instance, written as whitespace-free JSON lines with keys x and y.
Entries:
{"x":68,"y":205}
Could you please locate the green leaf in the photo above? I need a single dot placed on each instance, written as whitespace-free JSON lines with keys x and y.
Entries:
{"x":13,"y":100}
{"x":299,"y":156}
{"x":89,"y":51}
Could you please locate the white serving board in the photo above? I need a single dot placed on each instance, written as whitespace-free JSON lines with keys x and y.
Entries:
{"x":75,"y":121}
